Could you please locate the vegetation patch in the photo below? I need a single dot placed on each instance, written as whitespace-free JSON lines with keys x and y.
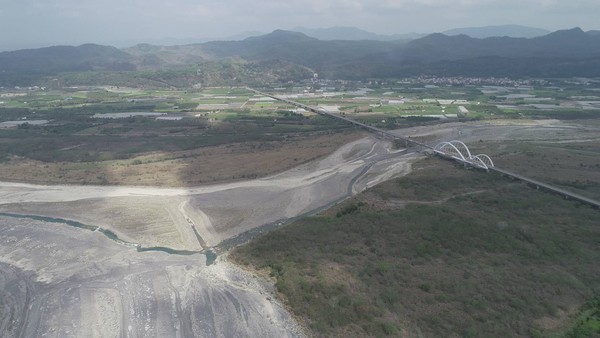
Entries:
{"x":187,"y":147}
{"x":572,"y":165}
{"x":441,"y":252}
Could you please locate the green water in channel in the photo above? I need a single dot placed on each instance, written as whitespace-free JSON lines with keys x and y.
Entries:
{"x":210,"y":255}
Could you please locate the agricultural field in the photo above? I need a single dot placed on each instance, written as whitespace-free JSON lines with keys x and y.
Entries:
{"x":404,"y":104}
{"x":436,"y":251}
{"x":123,"y":135}
{"x":120,"y":135}
{"x":446,"y":251}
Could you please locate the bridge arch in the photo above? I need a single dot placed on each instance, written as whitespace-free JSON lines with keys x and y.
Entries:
{"x":485,"y":159}
{"x":449,"y":148}
{"x":463,"y":147}
{"x":479,"y":163}
{"x":459,"y":151}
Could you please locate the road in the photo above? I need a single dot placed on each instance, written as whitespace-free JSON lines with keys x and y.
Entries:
{"x":409,"y":141}
{"x":548,"y":187}
{"x":70,"y":282}
{"x":324,"y":112}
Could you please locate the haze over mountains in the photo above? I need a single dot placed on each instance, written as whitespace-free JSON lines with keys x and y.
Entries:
{"x":563,"y":53}
{"x":513,"y":31}
{"x":353,"y":33}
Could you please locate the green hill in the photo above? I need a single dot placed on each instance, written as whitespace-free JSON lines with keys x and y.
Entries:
{"x":566,"y":53}
{"x":65,"y":59}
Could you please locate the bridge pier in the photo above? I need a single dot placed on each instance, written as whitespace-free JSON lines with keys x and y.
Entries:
{"x":458,"y":152}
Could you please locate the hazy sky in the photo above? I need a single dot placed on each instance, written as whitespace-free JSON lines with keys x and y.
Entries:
{"x":32,"y":23}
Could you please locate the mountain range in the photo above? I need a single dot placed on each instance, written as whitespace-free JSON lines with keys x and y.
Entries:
{"x":353,"y":33}
{"x":562,"y":53}
{"x":513,"y":31}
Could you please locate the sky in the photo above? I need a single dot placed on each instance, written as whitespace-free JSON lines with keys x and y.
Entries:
{"x":36,"y":23}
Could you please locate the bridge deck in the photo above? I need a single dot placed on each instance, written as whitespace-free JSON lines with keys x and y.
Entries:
{"x":408,"y":140}
{"x":548,"y":187}
{"x":324,"y":112}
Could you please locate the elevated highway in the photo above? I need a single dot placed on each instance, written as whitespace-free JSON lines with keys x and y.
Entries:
{"x":461,"y":155}
{"x":324,"y":112}
{"x":541,"y":185}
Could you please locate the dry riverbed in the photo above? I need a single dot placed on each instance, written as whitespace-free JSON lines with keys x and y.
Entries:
{"x":72,"y":266}
{"x":59,"y":281}
{"x":80,"y":271}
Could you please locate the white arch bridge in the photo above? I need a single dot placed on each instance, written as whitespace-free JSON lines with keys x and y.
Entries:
{"x":455,"y":150}
{"x":459,"y":151}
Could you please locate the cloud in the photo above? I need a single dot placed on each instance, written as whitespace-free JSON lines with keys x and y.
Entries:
{"x":78,"y":21}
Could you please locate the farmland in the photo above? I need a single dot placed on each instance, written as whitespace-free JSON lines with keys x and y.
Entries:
{"x":402,"y":244}
{"x":175,"y":137}
{"x":113,"y":135}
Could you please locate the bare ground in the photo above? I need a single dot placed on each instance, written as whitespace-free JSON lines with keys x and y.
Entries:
{"x":164,"y":216}
{"x":172,"y":295}
{"x":68,"y":282}
{"x":77,"y":282}
{"x":232,"y":162}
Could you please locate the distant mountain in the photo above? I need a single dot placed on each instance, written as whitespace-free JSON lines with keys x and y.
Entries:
{"x":513,"y":31}
{"x":65,"y":58}
{"x":152,"y":57}
{"x":563,"y":53}
{"x":572,"y":43}
{"x":239,"y":37}
{"x":296,"y":47}
{"x":353,"y":33}
{"x":560,"y":54}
